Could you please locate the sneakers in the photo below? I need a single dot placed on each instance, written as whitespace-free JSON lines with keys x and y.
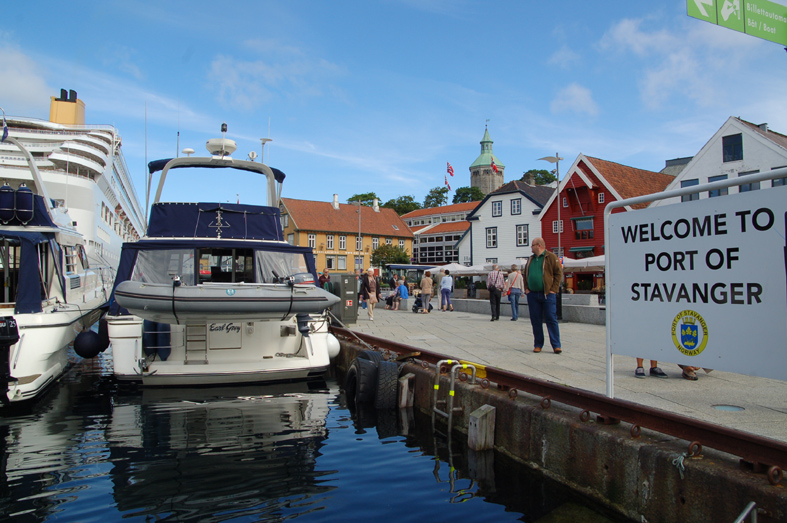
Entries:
{"x":656,"y":372}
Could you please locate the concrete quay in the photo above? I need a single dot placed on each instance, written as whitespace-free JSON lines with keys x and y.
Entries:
{"x":508,"y":345}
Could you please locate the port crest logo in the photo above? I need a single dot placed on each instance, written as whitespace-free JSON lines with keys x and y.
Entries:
{"x":689,"y":332}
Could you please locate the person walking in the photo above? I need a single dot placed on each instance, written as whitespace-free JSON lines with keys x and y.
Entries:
{"x":426,"y":290}
{"x":515,"y":287}
{"x":446,"y":286}
{"x":440,"y":286}
{"x":495,"y":283}
{"x":370,"y":290}
{"x":543,"y":274}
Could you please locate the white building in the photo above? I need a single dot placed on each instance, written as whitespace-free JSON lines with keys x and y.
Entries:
{"x":504,"y":224}
{"x":436,"y":231}
{"x":738,"y":149}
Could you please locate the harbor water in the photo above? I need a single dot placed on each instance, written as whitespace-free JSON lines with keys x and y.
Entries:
{"x":91,"y":450}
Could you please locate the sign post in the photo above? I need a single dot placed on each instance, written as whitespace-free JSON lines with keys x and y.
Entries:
{"x":701,"y":283}
{"x":760,"y":18}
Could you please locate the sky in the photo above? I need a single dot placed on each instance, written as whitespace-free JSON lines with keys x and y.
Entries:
{"x":379,"y":95}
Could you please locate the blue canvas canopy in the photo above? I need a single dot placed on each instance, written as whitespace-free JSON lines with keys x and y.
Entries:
{"x":158,"y":165}
{"x":215,"y":220}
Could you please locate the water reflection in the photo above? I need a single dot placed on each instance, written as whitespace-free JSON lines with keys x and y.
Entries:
{"x":183,"y":453}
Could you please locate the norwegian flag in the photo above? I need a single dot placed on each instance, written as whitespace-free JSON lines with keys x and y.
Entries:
{"x":446,"y":182}
{"x":450,"y":169}
{"x":494,"y":166}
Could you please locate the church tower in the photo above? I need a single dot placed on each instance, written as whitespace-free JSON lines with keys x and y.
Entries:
{"x":482,"y":172}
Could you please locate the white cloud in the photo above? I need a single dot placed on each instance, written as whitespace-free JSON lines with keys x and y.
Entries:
{"x":575,"y":99}
{"x":23,"y":86}
{"x":122,"y":59}
{"x":564,"y":58}
{"x":249,"y":83}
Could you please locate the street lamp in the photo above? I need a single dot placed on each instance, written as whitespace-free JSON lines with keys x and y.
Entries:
{"x":556,"y":160}
{"x":360,"y":250}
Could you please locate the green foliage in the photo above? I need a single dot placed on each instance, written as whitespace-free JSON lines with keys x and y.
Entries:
{"x":541,"y":176}
{"x":366,"y":198}
{"x":385,"y":254}
{"x":402,"y":204}
{"x":436,"y":197}
{"x":468,"y":194}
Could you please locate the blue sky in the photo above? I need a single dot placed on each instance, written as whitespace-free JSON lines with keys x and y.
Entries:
{"x":378,"y":95}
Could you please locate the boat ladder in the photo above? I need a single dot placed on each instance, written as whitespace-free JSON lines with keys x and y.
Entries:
{"x":196,"y":344}
{"x":449,"y":403}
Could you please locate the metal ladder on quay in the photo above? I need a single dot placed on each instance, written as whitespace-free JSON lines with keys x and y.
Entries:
{"x":196,"y":344}
{"x":449,"y":402}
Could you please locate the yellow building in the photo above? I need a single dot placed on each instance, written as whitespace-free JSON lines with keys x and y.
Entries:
{"x":342,"y":239}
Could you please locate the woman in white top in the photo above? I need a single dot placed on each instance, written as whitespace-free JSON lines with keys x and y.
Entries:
{"x":446,"y":286}
{"x":516,"y":284}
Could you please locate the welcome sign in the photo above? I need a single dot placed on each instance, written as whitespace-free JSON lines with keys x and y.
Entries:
{"x":703,"y":283}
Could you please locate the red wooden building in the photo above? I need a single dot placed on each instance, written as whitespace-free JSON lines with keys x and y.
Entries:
{"x":586,"y":189}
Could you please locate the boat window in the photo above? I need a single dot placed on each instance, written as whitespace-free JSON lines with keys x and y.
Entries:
{"x":226,"y":266}
{"x":162,"y":266}
{"x":9,"y":259}
{"x":272,"y":267}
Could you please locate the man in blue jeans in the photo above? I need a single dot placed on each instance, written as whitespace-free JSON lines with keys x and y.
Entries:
{"x":543,"y":274}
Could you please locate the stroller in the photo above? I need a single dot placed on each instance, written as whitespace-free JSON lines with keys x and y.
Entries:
{"x":418,"y":305}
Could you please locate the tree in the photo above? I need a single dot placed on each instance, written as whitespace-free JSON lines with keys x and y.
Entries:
{"x":468,"y":194}
{"x":436,"y":197}
{"x":402,"y":204}
{"x":540,"y":176}
{"x":366,"y":198}
{"x":385,"y":254}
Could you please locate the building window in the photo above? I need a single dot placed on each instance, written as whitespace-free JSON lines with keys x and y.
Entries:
{"x":291,"y":239}
{"x":491,"y":260}
{"x":329,"y":242}
{"x":601,"y":197}
{"x":583,"y":229}
{"x":330,"y":262}
{"x":692,"y":196}
{"x":343,"y":244}
{"x":341,"y":263}
{"x":491,"y":237}
{"x":565,"y":201}
{"x":746,"y":187}
{"x":516,"y":206}
{"x":388,"y":241}
{"x":359,"y":243}
{"x":777,"y":182}
{"x":558,"y":252}
{"x":497,"y":208}
{"x":359,"y":262}
{"x":557,"y":227}
{"x":521,"y":235}
{"x":401,"y":244}
{"x":375,"y":243}
{"x":732,"y":147}
{"x":312,"y":241}
{"x":285,"y":220}
{"x":717,"y":192}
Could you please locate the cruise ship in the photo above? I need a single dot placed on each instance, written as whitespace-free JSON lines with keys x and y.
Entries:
{"x":83,"y":169}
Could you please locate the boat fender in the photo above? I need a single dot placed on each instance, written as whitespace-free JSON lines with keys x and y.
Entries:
{"x":149,"y":337}
{"x":87,"y":344}
{"x":334,"y":347}
{"x":103,"y":333}
{"x":387,"y":385}
{"x":24,"y":208}
{"x":7,"y":194}
{"x":361,"y":382}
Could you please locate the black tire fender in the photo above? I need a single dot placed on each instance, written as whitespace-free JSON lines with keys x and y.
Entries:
{"x":360,"y":385}
{"x":371,"y":355}
{"x":387,"y":385}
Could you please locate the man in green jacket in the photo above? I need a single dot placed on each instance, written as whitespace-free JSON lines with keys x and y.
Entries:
{"x":543,"y":274}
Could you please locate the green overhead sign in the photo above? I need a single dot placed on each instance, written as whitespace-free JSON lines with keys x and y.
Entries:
{"x":761,"y":18}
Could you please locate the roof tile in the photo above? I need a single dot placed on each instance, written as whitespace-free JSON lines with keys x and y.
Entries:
{"x":321,"y":216}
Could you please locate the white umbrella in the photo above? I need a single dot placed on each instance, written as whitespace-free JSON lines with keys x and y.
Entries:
{"x":456,"y":269}
{"x":593,"y":264}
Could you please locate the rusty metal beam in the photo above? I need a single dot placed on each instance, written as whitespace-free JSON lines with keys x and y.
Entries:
{"x":750,"y":447}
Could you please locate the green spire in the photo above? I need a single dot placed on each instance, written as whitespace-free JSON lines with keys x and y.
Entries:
{"x":485,"y":158}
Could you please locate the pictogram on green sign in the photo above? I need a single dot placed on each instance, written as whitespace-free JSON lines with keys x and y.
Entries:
{"x":761,"y":18}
